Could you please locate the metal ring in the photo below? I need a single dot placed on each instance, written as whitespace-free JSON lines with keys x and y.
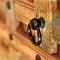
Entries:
{"x":39,"y":35}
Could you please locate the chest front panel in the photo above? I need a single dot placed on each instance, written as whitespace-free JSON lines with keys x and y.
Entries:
{"x":45,"y":9}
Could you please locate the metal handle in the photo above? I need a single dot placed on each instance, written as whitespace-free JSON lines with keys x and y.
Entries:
{"x":36,"y":24}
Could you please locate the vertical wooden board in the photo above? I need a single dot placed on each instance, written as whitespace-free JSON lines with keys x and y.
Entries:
{"x":18,"y":44}
{"x":56,"y":25}
{"x":9,"y":11}
{"x":44,"y":9}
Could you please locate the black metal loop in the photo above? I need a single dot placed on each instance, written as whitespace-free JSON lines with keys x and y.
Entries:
{"x":31,"y":36}
{"x":36,"y":24}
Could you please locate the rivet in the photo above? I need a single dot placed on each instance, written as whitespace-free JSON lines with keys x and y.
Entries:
{"x":11,"y":37}
{"x":37,"y":57}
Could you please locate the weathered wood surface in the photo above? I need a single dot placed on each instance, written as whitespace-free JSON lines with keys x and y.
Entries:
{"x":9,"y":53}
{"x":58,"y":4}
{"x":45,"y":9}
{"x":56,"y":25}
{"x":22,"y":44}
{"x":10,"y":14}
{"x":17,"y":43}
{"x":26,"y":12}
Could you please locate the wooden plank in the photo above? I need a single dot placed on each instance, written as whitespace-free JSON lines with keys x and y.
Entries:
{"x":21,"y":44}
{"x":45,"y":9}
{"x":27,"y":9}
{"x":18,"y":45}
{"x":9,"y":11}
{"x":10,"y":54}
{"x":58,"y":4}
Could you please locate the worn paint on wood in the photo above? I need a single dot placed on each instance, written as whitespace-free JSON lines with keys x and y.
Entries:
{"x":44,"y":9}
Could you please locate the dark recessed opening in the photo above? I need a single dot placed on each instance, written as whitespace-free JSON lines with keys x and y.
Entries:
{"x":11,"y":37}
{"x":37,"y":57}
{"x":8,"y":5}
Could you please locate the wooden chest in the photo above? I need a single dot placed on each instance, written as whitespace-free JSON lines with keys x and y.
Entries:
{"x":28,"y":9}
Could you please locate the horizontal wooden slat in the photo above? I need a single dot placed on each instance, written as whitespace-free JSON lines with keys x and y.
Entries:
{"x":25,"y":9}
{"x":21,"y":43}
{"x":17,"y":43}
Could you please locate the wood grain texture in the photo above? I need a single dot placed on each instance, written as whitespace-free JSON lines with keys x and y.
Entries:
{"x":23,"y":44}
{"x":58,"y":4}
{"x":18,"y":44}
{"x":26,"y":12}
{"x":45,"y":10}
{"x":9,"y":11}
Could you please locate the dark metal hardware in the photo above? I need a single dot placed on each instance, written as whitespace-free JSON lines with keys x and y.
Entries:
{"x":36,"y":24}
{"x":38,"y":57}
{"x":8,"y":5}
{"x":11,"y":37}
